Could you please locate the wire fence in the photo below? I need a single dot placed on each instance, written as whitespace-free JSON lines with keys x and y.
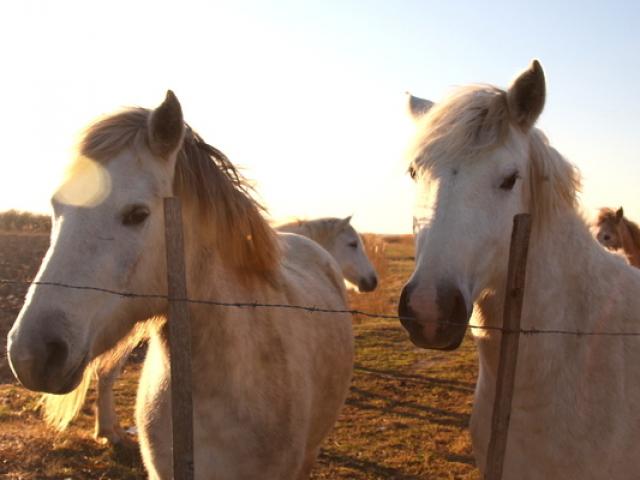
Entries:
{"x":314,"y":309}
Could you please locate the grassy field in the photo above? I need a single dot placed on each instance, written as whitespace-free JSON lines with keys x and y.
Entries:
{"x":406,"y":417}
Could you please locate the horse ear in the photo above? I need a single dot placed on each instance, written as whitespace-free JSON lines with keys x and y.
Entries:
{"x":619,"y":214}
{"x":343,"y":223}
{"x":418,"y":106}
{"x":526,"y":96}
{"x":166,"y":126}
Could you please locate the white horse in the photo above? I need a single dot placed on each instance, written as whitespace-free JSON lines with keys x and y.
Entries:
{"x":478,"y":161}
{"x":336,"y":235}
{"x":340,"y":239}
{"x":267,"y":383}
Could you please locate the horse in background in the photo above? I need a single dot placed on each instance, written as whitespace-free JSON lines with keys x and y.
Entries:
{"x":268,"y":384}
{"x":616,"y":232}
{"x":338,"y":237}
{"x":477,"y":161}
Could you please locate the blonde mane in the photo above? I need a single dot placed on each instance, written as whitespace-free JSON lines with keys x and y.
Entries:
{"x":322,"y":230}
{"x":474,"y":121}
{"x":204,"y":179}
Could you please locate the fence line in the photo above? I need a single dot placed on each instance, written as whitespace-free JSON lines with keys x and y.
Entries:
{"x":314,"y":309}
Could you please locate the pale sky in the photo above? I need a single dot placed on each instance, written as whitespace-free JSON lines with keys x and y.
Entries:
{"x":308,"y":97}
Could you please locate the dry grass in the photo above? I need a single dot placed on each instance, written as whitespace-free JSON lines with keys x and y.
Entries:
{"x":406,"y":416}
{"x":15,"y":221}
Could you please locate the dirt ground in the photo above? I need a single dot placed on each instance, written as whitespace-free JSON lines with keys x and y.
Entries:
{"x":406,"y":417}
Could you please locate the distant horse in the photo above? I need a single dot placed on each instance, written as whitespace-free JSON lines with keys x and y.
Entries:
{"x":340,"y":239}
{"x":267,"y":383}
{"x":616,"y":232}
{"x":478,"y":161}
{"x":336,"y":235}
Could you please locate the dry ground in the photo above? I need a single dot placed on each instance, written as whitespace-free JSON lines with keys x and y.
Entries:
{"x":406,"y":417}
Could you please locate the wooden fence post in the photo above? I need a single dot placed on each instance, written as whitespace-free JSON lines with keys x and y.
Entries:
{"x":179,"y":343}
{"x":508,"y":346}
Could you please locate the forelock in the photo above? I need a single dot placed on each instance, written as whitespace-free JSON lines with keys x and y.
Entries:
{"x":472,"y":120}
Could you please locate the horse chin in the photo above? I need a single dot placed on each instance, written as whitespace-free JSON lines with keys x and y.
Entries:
{"x":441,"y":335}
{"x":72,"y":380}
{"x":455,"y":339}
{"x":449,"y":340}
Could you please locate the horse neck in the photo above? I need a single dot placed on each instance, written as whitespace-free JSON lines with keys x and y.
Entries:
{"x":220,"y":335}
{"x":630,"y":239}
{"x":571,"y":284}
{"x":209,"y":277}
{"x":564,"y":263}
{"x":319,"y":234}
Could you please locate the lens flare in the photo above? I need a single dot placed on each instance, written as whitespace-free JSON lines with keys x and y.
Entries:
{"x":86,"y":184}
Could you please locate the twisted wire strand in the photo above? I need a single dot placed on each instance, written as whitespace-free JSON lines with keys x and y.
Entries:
{"x":313,"y":309}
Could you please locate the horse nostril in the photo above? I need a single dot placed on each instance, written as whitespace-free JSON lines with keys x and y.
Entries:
{"x":460,"y":313}
{"x":368,"y":284}
{"x":407,"y":314}
{"x":606,"y":238}
{"x":404,"y":309}
{"x":57,"y":352}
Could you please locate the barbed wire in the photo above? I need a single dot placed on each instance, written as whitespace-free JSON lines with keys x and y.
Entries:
{"x":315,"y":309}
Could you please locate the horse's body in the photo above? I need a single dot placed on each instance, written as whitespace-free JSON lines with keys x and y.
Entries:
{"x":336,"y":235}
{"x":271,"y":398}
{"x":616,"y":232}
{"x":576,"y":398}
{"x":267,"y":383}
{"x":340,"y":239}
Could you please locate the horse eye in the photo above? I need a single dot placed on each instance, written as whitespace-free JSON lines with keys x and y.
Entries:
{"x":135,"y":215}
{"x":509,"y":182}
{"x":353,"y":244}
{"x":412,"y":172}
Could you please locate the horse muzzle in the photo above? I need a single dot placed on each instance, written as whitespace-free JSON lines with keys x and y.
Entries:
{"x":438,"y":326}
{"x":41,"y":359}
{"x":368,"y":284}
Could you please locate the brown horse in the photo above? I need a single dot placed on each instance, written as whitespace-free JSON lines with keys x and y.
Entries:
{"x":616,"y":232}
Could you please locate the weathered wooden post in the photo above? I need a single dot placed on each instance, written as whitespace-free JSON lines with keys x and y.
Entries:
{"x":179,"y":343}
{"x":508,"y":346}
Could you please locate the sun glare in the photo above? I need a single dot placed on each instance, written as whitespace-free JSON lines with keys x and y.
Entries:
{"x":86,"y":184}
